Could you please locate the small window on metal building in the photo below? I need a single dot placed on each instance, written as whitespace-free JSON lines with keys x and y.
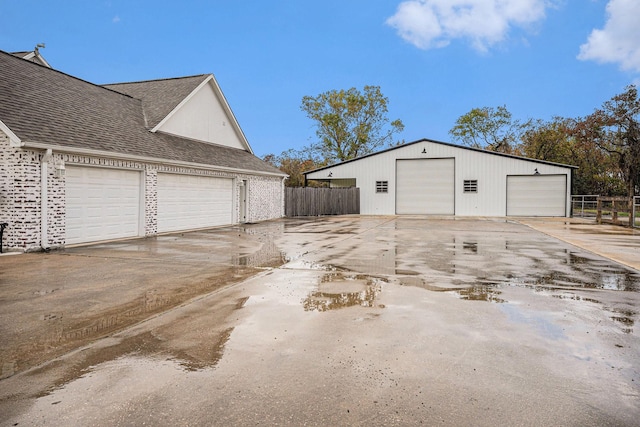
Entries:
{"x":382,"y":186}
{"x":470,"y":185}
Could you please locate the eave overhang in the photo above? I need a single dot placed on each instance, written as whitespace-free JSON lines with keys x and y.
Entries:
{"x":210,"y":80}
{"x":133,"y":157}
{"x":14,"y":141}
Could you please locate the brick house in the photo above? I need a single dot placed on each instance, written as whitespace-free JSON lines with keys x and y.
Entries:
{"x":83,"y":163}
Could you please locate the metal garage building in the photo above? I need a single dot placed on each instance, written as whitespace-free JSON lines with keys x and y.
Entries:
{"x":428,"y":177}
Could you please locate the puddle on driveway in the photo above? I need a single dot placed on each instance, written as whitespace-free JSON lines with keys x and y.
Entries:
{"x":55,"y":302}
{"x":249,"y":245}
{"x":528,"y":340}
{"x":481,"y":260}
{"x":488,"y":293}
{"x":582,"y":281}
{"x":543,"y":325}
{"x":195,"y":343}
{"x":338,"y":290}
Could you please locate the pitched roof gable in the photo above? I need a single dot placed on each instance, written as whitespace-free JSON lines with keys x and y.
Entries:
{"x":431,"y":141}
{"x":43,"y":106}
{"x":33,"y":56}
{"x":159,"y":97}
{"x":162,"y":99}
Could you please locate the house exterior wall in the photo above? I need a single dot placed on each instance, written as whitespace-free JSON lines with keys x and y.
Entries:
{"x":265,"y":198}
{"x":21,"y":200}
{"x":489,"y":170}
{"x":203,"y":118}
{"x":5,"y":180}
{"x":150,"y":200}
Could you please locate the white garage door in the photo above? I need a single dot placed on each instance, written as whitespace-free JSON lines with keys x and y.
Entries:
{"x":187,"y":202}
{"x":425,"y":186}
{"x":536,"y":195}
{"x":101,"y":204}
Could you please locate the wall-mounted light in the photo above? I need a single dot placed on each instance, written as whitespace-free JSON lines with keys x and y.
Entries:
{"x":59,"y":168}
{"x":535,"y":172}
{"x":330,"y":174}
{"x":424,"y":151}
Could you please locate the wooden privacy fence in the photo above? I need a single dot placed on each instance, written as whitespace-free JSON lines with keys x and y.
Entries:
{"x":308,"y":201}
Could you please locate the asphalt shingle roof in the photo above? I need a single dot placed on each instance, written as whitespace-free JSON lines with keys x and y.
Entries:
{"x":159,"y":97}
{"x":46,"y":106}
{"x":20,"y":54}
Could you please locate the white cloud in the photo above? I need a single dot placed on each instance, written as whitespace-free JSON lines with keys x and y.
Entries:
{"x":619,"y":40}
{"x":115,"y":19}
{"x":434,"y":23}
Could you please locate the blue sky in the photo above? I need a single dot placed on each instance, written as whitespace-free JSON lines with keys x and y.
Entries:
{"x":434,"y":59}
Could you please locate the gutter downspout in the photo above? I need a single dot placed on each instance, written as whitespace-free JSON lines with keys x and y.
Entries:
{"x":44,"y":176}
{"x":284,"y":196}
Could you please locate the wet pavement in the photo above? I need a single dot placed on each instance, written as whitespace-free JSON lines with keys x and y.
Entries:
{"x":330,"y":321}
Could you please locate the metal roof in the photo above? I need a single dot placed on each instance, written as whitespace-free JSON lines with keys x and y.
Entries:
{"x":495,"y":153}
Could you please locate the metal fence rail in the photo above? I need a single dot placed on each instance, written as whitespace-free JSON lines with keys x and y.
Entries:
{"x":584,"y":205}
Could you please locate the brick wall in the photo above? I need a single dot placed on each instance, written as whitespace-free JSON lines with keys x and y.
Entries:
{"x":56,"y":198}
{"x":150,"y":201}
{"x":265,"y":198}
{"x":20,"y":194}
{"x":5,"y":184}
{"x":20,"y":199}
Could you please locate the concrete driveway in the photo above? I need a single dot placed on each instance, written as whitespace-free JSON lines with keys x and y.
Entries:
{"x":332,"y":321}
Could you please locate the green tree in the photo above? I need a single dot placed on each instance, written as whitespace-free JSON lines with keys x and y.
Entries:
{"x":294,"y":163}
{"x":615,"y":129}
{"x":554,"y":141}
{"x":490,"y":128}
{"x":551,"y":141}
{"x":350,"y":123}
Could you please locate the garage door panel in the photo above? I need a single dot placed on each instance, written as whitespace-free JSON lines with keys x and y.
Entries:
{"x":536,"y":195}
{"x":101,"y":204}
{"x":425,"y":186}
{"x":188,"y":202}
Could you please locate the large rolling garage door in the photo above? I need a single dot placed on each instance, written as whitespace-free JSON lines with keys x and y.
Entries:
{"x":536,"y":195}
{"x":187,"y":202}
{"x":101,"y":204}
{"x":425,"y":186}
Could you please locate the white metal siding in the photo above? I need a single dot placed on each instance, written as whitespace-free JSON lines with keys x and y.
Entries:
{"x":425,"y":186}
{"x":536,"y":195}
{"x":490,"y":170}
{"x":188,"y":202}
{"x":101,"y":204}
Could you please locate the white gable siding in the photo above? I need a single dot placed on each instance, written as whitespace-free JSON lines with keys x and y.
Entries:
{"x":203,"y":118}
{"x":489,"y":170}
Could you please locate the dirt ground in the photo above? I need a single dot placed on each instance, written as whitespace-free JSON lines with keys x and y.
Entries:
{"x":330,"y":321}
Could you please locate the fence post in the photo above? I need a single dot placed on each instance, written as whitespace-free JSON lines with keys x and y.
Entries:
{"x":599,"y":209}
